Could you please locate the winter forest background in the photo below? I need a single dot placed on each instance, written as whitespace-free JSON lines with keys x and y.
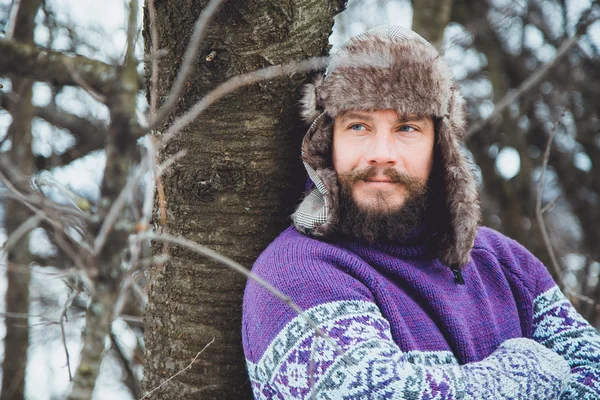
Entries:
{"x":109,"y":187}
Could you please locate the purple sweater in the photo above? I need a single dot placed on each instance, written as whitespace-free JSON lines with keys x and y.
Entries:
{"x":408,"y":331}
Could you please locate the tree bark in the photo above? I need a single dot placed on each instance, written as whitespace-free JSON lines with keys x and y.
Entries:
{"x":16,"y":341}
{"x":236,"y":187}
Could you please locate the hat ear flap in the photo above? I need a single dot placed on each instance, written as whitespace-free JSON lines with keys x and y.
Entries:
{"x":460,"y":189}
{"x":457,"y":113}
{"x":310,"y":107}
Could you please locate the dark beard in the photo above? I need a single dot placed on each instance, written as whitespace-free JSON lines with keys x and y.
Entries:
{"x":381,"y":225}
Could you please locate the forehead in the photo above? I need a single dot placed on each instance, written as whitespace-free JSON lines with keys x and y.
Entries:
{"x":388,"y":113}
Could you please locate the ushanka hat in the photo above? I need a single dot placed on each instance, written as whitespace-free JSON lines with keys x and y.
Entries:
{"x":390,"y":67}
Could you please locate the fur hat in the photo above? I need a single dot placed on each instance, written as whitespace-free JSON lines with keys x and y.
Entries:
{"x":390,"y":67}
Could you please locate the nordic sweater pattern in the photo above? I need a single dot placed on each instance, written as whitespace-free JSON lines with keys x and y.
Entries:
{"x":407,"y":331}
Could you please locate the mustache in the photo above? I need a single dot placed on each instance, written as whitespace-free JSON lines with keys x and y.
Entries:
{"x":367,"y":173}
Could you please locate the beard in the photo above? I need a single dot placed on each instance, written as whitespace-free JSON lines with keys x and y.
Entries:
{"x":381,"y":222}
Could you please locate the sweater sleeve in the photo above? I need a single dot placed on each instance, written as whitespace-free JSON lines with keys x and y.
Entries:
{"x":299,"y":365}
{"x":286,"y":360}
{"x":559,"y":327}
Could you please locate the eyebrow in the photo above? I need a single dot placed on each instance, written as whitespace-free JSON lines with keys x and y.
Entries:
{"x":355,"y":115}
{"x":368,"y":118}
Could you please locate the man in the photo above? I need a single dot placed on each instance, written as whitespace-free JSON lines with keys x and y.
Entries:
{"x":387,"y":258}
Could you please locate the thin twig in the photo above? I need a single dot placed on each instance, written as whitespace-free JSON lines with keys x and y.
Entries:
{"x":77,"y":260}
{"x":550,"y":206}
{"x":30,"y":224}
{"x":123,"y":294}
{"x":178,"y":373}
{"x":188,"y":60}
{"x":160,"y":170}
{"x":538,"y":207}
{"x":570,"y":292}
{"x":113,"y":214}
{"x":76,"y":200}
{"x":239,"y":81}
{"x":61,"y":318}
{"x":133,"y":320}
{"x":205,"y":251}
{"x":83,"y":84}
{"x":23,"y":199}
{"x":134,"y":384}
{"x":43,"y":202}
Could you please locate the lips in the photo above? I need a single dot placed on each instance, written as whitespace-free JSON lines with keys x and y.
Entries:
{"x":383,"y":180}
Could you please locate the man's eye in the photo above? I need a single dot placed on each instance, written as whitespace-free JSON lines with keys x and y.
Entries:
{"x":357,"y":127}
{"x":406,"y":128}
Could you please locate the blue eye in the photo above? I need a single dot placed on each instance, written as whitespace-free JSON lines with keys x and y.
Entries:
{"x":357,"y":127}
{"x":407,"y":128}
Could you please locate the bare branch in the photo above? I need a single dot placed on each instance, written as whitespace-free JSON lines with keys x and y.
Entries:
{"x":78,"y":202}
{"x":539,"y":213}
{"x":550,"y":206}
{"x":84,"y":85}
{"x":239,"y":81}
{"x":132,"y":383}
{"x":81,"y":128}
{"x":112,"y":215}
{"x":91,"y":133}
{"x":23,"y":199}
{"x":65,"y":246}
{"x":588,"y":300}
{"x":133,"y":320}
{"x":61,"y":318}
{"x":29,"y":61}
{"x":27,"y":226}
{"x":180,"y":372}
{"x":534,"y":79}
{"x":45,"y":204}
{"x":190,"y":56}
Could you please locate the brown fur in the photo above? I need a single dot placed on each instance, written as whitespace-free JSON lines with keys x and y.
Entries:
{"x":375,"y":71}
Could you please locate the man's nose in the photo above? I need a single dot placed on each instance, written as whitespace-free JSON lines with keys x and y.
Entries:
{"x":381,"y":151}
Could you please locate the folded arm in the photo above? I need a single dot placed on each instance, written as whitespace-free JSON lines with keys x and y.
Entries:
{"x":561,"y":328}
{"x":298,"y":364}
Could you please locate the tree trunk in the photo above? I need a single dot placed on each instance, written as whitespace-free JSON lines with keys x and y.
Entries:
{"x":16,"y":341}
{"x":235,"y":188}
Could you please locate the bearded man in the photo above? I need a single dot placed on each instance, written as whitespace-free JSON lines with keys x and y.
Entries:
{"x":387,"y":257}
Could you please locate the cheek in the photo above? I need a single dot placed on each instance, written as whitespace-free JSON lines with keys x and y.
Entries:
{"x":344,"y":156}
{"x":421,"y":162}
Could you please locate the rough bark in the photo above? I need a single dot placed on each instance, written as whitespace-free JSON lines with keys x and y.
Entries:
{"x":16,"y":341}
{"x":235,"y":188}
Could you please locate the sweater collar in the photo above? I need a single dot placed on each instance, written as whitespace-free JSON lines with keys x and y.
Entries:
{"x":420,"y":243}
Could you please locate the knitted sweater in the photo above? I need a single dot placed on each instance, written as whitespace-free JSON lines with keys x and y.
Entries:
{"x":405,"y":330}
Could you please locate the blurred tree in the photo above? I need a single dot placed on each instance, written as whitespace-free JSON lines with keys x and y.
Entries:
{"x":16,"y":341}
{"x":235,"y":188}
{"x":518,"y":41}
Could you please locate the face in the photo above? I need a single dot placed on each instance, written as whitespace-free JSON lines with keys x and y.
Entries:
{"x":382,"y":159}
